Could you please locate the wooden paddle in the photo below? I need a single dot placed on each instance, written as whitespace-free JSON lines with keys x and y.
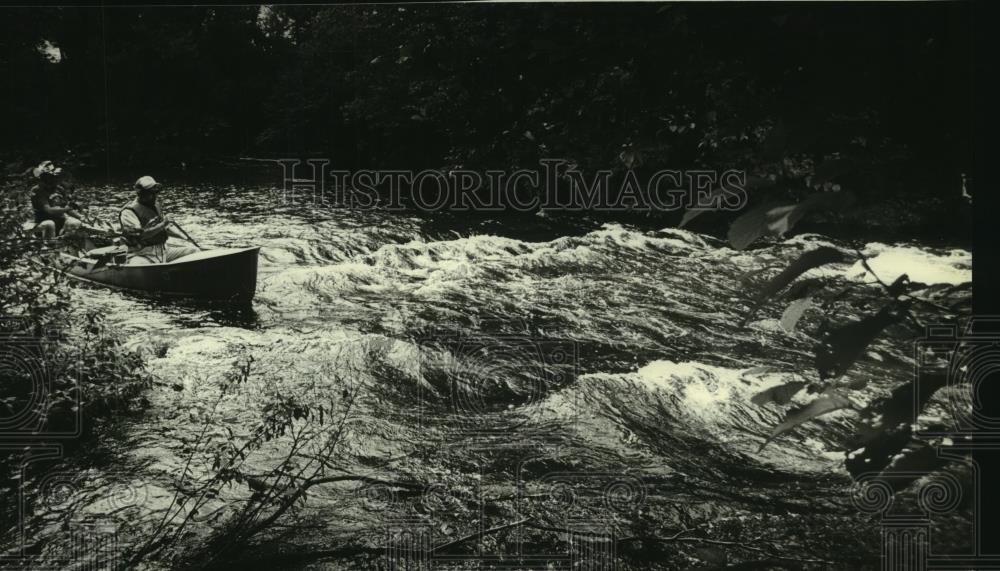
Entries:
{"x":186,"y":235}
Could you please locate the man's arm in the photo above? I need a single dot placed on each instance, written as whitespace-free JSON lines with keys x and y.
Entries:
{"x":56,"y":210}
{"x":132,"y":227}
{"x":73,"y":209}
{"x":168,"y":224}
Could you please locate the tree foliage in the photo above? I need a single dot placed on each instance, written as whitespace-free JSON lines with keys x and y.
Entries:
{"x":853,"y":96}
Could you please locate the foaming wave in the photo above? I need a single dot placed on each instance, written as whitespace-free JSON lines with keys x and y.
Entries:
{"x":679,"y":408}
{"x":431,"y":269}
{"x":921,"y":265}
{"x":889,"y":261}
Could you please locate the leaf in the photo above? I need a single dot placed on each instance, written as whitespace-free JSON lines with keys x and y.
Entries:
{"x":749,"y":227}
{"x":781,"y":394}
{"x":807,"y":261}
{"x":794,"y":312}
{"x":898,"y":287}
{"x":770,"y":219}
{"x":748,"y":279}
{"x":909,"y":460}
{"x":692,"y":213}
{"x":841,"y":347}
{"x":885,"y":428}
{"x":822,"y":405}
{"x":805,"y":288}
{"x":711,"y":205}
{"x":781,"y":219}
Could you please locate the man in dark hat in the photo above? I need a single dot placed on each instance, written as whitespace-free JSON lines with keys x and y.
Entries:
{"x":146,"y":229}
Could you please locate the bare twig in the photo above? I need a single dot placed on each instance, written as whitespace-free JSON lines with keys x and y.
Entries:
{"x":479,"y":534}
{"x":885,"y":286}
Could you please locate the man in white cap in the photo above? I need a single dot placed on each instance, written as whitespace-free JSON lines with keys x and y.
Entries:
{"x":146,"y":228}
{"x":51,"y":218}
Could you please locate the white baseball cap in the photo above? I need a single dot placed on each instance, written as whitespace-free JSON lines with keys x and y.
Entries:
{"x":147,"y":183}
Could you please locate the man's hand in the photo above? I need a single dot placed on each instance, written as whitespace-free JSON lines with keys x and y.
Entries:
{"x":159,"y":222}
{"x":156,"y":226}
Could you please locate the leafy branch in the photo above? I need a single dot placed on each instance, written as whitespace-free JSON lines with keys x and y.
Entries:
{"x":838,"y":348}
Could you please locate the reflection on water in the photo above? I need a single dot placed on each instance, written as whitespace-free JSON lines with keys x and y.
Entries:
{"x":589,"y":349}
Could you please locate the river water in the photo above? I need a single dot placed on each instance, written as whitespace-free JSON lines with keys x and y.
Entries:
{"x":588,"y":377}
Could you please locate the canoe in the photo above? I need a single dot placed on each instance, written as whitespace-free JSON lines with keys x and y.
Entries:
{"x":224,"y":274}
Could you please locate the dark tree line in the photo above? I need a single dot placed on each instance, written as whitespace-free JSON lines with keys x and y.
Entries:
{"x":874,"y":97}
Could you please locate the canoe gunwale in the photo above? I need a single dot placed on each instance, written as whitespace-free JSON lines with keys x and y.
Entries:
{"x":178,"y":262}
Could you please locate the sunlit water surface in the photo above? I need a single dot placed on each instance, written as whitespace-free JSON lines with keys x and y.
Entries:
{"x":607,"y":361}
